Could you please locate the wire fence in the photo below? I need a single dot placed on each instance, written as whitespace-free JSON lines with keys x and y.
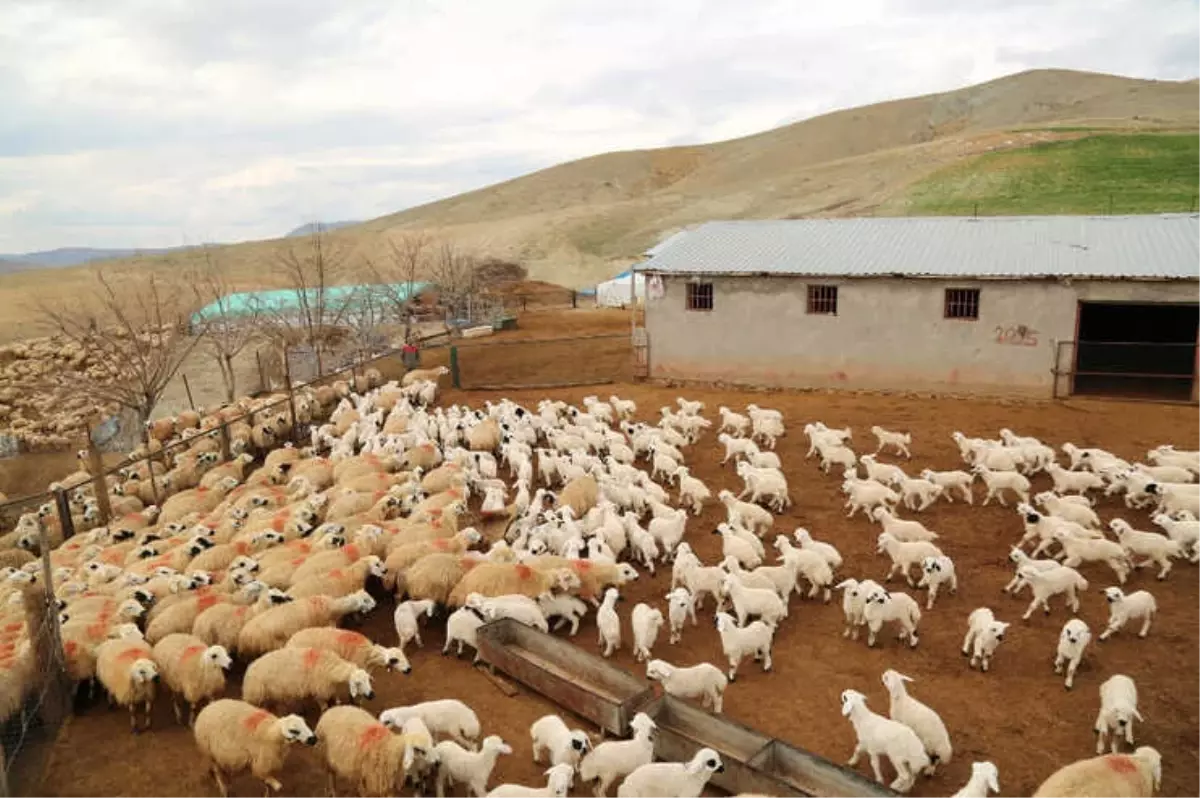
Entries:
{"x":542,"y":363}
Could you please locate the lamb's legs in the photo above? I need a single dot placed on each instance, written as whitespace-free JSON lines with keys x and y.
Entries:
{"x":1032,"y":606}
{"x":1101,"y":729}
{"x":875,"y":767}
{"x":216,"y":771}
{"x":1146,"y":626}
{"x":858,"y":751}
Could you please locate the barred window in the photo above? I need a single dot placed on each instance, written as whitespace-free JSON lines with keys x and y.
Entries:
{"x":962,"y":303}
{"x":699,"y":296}
{"x":822,"y":299}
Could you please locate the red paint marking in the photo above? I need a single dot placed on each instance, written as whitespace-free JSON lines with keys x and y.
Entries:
{"x":190,"y":652}
{"x":351,"y":551}
{"x":202,"y":490}
{"x":1121,"y":763}
{"x":133,"y":653}
{"x":350,"y":639}
{"x":373,"y":735}
{"x":241,"y":612}
{"x":311,"y":657}
{"x":583,"y":566}
{"x":441,"y":544}
{"x":241,"y":547}
{"x":204,"y":602}
{"x":337,"y":573}
{"x":523,"y":571}
{"x":278,"y":523}
{"x":256,"y":719}
{"x":14,"y":627}
{"x":97,"y":630}
{"x":298,"y":562}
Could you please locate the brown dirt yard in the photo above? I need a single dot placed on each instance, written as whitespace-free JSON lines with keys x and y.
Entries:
{"x":1019,"y":715}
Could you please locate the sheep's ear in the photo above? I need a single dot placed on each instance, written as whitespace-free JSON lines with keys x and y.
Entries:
{"x":408,"y":757}
{"x":846,"y":707}
{"x":994,"y":783}
{"x":1138,"y":715}
{"x":904,"y":678}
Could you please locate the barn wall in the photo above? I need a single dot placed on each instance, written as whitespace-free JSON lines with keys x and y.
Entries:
{"x":888,"y":334}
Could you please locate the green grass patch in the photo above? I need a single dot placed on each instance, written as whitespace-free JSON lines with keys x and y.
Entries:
{"x":1110,"y":173}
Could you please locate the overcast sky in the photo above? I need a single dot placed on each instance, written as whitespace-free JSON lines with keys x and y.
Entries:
{"x":160,"y":122}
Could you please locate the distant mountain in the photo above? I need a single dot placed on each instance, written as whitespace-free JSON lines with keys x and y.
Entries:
{"x":312,"y":227}
{"x":71,"y":256}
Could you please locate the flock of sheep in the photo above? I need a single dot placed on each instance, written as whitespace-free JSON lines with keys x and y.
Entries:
{"x":263,"y":563}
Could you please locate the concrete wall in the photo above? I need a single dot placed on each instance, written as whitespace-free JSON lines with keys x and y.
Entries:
{"x":888,"y":333}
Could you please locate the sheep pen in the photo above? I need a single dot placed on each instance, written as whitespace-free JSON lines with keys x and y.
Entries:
{"x":989,"y":716}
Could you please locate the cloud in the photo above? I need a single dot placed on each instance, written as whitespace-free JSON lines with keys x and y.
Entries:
{"x":155,"y":122}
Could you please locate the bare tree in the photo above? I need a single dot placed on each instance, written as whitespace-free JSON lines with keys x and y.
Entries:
{"x":397,"y":275}
{"x":310,"y":269}
{"x":230,"y":328}
{"x":135,"y":336}
{"x":456,"y":274}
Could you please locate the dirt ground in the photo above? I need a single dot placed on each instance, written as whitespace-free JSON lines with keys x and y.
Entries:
{"x":990,"y":716}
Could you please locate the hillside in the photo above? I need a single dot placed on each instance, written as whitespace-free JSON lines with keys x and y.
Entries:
{"x":582,"y":221}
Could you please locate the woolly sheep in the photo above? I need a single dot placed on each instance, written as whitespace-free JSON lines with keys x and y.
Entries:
{"x":1081,"y":550}
{"x":905,"y":554}
{"x":767,"y":424}
{"x":352,"y":647}
{"x":733,"y":545}
{"x":1123,"y":608}
{"x":504,"y":579}
{"x":558,"y":781}
{"x":562,"y":746}
{"x":702,"y":682}
{"x":809,"y":564}
{"x":866,"y":495}
{"x":1184,"y":530}
{"x":1072,"y":641}
{"x":733,"y":422}
{"x":672,"y":779}
{"x":127,"y":669}
{"x":837,"y":454}
{"x":879,"y":736}
{"x":271,"y":629}
{"x":361,"y":750}
{"x":984,"y":635}
{"x":805,"y":540}
{"x":738,"y":641}
{"x":854,"y":599}
{"x":1078,"y":482}
{"x":1130,"y":775}
{"x":1118,"y":708}
{"x":897,"y":440}
{"x":1048,"y":583}
{"x":904,"y":530}
{"x":884,"y":473}
{"x":608,"y":624}
{"x":748,"y":601}
{"x":1063,"y":507}
{"x":919,"y":494}
{"x":461,"y":627}
{"x":679,"y":606}
{"x":935,"y":572}
{"x":405,"y":619}
{"x":445,"y":716}
{"x":1156,"y":548}
{"x":615,"y":759}
{"x":951,"y":481}
{"x":564,"y":608}
{"x":521,"y":609}
{"x":472,"y":769}
{"x":294,"y":674}
{"x":882,"y":606}
{"x":692,"y":492}
{"x":918,"y":717}
{"x":646,"y":621}
{"x":780,"y":578}
{"x":234,"y":736}
{"x":764,"y":484}
{"x":193,"y":671}
{"x":984,"y":776}
{"x":750,"y":516}
{"x":999,"y":481}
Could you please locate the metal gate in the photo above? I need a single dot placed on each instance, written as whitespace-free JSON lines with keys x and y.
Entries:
{"x":641,"y":353}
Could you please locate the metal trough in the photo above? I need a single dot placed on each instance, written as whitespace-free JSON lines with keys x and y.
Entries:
{"x":581,"y":682}
{"x":804,"y":773}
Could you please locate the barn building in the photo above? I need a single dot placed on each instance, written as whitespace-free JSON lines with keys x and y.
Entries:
{"x":1040,"y":306}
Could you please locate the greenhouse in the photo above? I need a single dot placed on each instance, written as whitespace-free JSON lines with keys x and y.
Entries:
{"x":346,"y":301}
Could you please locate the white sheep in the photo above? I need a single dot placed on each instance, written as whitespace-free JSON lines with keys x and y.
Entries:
{"x":646,"y":621}
{"x":672,"y":779}
{"x":736,"y":546}
{"x":920,"y":718}
{"x":473,"y":769}
{"x":445,"y":716}
{"x":805,"y":540}
{"x":608,"y":623}
{"x":764,"y":483}
{"x":522,"y":609}
{"x":562,"y":745}
{"x":406,"y":618}
{"x":904,"y":554}
{"x":748,"y":601}
{"x":733,"y":422}
{"x":692,"y":492}
{"x":1050,"y":582}
{"x":1174,"y":498}
{"x":836,"y":454}
{"x":951,"y":481}
{"x":703,"y":682}
{"x":1080,"y":512}
{"x":854,"y":600}
{"x":866,"y":495}
{"x":902,"y":529}
{"x":615,"y":759}
{"x":807,"y":563}
{"x":881,"y":606}
{"x":1072,"y":641}
{"x":999,"y":481}
{"x":935,"y":572}
{"x":558,"y":782}
{"x":461,"y":627}
{"x":702,"y":581}
{"x":1136,"y":774}
{"x":565,"y":608}
{"x":1156,"y":548}
{"x":745,"y":514}
{"x":879,"y":736}
{"x":735,"y":447}
{"x":885,"y":473}
{"x":1123,"y":608}
{"x":984,"y":776}
{"x":897,"y":440}
{"x":767,"y":424}
{"x":919,"y":494}
{"x":1078,"y":482}
{"x":1185,"y":530}
{"x":738,"y":641}
{"x":984,"y":636}
{"x":679,"y":607}
{"x":1080,"y":550}
{"x":669,"y":531}
{"x":1118,"y":708}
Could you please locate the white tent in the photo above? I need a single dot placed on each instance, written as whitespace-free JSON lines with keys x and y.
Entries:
{"x":616,"y":292}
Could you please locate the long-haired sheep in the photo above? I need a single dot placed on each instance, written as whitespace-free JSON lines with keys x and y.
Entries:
{"x":272,"y":628}
{"x":361,"y":750}
{"x":434,"y":576}
{"x":222,"y":624}
{"x":193,"y":671}
{"x":594,"y":577}
{"x":234,"y":736}
{"x":295,"y":674}
{"x":352,"y":647}
{"x":504,"y":579}
{"x":339,"y":581}
{"x":128,"y":671}
{"x":407,"y":554}
{"x":1136,"y":775}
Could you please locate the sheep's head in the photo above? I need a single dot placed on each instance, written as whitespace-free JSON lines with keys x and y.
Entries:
{"x":126,"y":631}
{"x":1075,"y":631}
{"x":393,"y":659}
{"x":360,"y":684}
{"x":1124,"y":716}
{"x":493,"y":744}
{"x":852,"y":699}
{"x":996,"y":630}
{"x":626,"y":573}
{"x":1114,"y":595}
{"x":375,"y":566}
{"x":580,"y":742}
{"x":295,"y":730}
{"x":989,"y":773}
{"x":143,"y":671}
{"x":218,"y":657}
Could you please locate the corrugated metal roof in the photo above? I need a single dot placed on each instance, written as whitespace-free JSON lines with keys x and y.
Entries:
{"x":1165,"y":246}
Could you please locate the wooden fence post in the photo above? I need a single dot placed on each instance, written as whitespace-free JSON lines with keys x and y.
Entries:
{"x":262,"y":379}
{"x":63,"y":505}
{"x":99,"y":486}
{"x":223,"y":436}
{"x":188,"y":388}
{"x":574,"y":300}
{"x":291,"y":394}
{"x":454,"y":376}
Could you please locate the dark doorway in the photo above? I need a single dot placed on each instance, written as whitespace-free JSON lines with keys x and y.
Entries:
{"x":1136,"y":350}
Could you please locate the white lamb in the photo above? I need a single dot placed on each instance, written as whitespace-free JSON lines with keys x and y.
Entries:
{"x":984,"y":636}
{"x":461,"y":627}
{"x":735,"y":447}
{"x":608,"y":624}
{"x":919,"y":494}
{"x":1020,"y":559}
{"x":879,"y":736}
{"x":920,"y":718}
{"x":646,"y":622}
{"x":950,"y":481}
{"x":734,"y":545}
{"x":999,"y":481}
{"x":558,"y":783}
{"x":733,"y":422}
{"x":446,"y":716}
{"x":767,"y":424}
{"x":692,"y":492}
{"x":703,"y":682}
{"x":828,"y":552}
{"x":984,"y":776}
{"x":748,"y":601}
{"x":1156,"y":548}
{"x":1072,"y":641}
{"x":563,"y":746}
{"x":406,"y":620}
{"x":472,"y":769}
{"x":882,"y":472}
{"x":905,"y":554}
{"x":836,"y":454}
{"x":1174,"y":498}
{"x":521,"y":609}
{"x":854,"y":601}
{"x":764,"y":484}
{"x":1123,"y":608}
{"x":615,"y":759}
{"x":679,"y":607}
{"x":737,"y":641}
{"x":1063,"y":507}
{"x":672,"y":779}
{"x":669,"y":531}
{"x":1185,"y":530}
{"x":937,"y":571}
{"x":902,"y":529}
{"x":1049,"y":583}
{"x":1079,"y":482}
{"x":565,"y":608}
{"x":750,"y":516}
{"x":1118,"y":708}
{"x":809,"y":564}
{"x":897,"y":440}
{"x":866,"y":495}
{"x":1081,"y":550}
{"x":882,"y":606}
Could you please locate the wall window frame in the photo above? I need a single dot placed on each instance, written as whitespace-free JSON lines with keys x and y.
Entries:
{"x":822,"y":299}
{"x":961,"y":304}
{"x":699,"y":296}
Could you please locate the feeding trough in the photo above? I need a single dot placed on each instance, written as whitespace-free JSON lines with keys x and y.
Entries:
{"x":805,"y":773}
{"x":578,"y":681}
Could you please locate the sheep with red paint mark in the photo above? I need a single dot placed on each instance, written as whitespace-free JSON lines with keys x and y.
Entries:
{"x":361,"y":750}
{"x":503,"y":579}
{"x":234,"y":736}
{"x":126,"y":668}
{"x":295,"y":674}
{"x":1130,"y":775}
{"x":192,"y":670}
{"x":352,"y":647}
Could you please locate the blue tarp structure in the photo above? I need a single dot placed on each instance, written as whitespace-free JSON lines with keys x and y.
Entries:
{"x":283,"y":300}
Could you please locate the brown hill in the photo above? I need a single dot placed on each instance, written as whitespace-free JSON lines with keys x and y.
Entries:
{"x":582,"y":221}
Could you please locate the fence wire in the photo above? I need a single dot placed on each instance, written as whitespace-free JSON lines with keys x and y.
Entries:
{"x":545,"y":363}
